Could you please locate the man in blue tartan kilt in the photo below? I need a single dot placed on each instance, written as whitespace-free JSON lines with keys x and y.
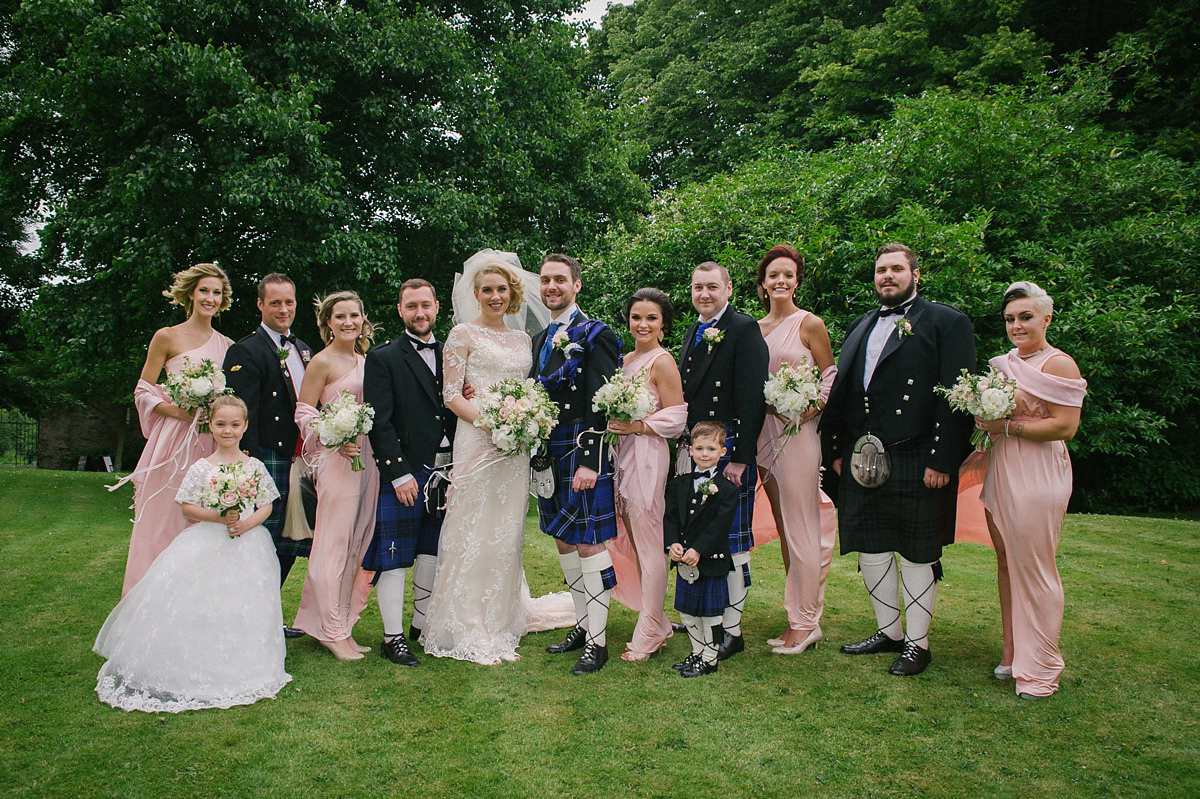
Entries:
{"x":572,"y":358}
{"x":411,"y":439}
{"x":265,"y":370}
{"x":724,"y":363}
{"x":890,"y":362}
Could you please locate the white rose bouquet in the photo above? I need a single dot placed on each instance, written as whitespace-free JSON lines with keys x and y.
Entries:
{"x":232,"y":486}
{"x":991,"y":395}
{"x":195,"y":385}
{"x":519,"y":413}
{"x":793,"y":390}
{"x":343,"y":420}
{"x":625,"y":398}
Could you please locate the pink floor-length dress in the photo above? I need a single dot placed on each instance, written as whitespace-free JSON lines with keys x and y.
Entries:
{"x":1026,"y":490}
{"x":794,"y":462}
{"x":336,"y":588}
{"x":172,"y":446}
{"x":639,"y":558}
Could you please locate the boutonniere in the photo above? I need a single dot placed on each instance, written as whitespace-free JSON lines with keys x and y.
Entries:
{"x":562,"y":342}
{"x":706,"y":490}
{"x":713,"y":337}
{"x":903,"y":327}
{"x":281,"y":354}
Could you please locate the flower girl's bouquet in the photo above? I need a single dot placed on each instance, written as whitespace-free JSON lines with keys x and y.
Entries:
{"x":625,"y":398}
{"x":343,"y":420}
{"x":232,"y":486}
{"x":519,"y":413}
{"x":793,"y":390}
{"x":195,"y":385}
{"x":991,"y":395}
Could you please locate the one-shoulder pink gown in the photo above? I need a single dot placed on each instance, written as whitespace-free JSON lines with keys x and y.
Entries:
{"x":172,"y":446}
{"x":1026,"y":490}
{"x":639,"y":557}
{"x":794,"y":463}
{"x":336,"y":588}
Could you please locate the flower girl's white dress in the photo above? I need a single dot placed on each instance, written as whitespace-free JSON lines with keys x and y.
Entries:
{"x":204,"y":626}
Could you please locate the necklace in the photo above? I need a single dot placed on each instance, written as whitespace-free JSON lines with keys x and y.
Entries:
{"x":1035,"y":352}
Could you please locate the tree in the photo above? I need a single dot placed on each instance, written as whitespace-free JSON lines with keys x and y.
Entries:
{"x":348,"y":144}
{"x":989,"y":188}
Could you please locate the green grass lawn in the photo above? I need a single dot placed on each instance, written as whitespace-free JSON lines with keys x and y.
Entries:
{"x":823,"y":724}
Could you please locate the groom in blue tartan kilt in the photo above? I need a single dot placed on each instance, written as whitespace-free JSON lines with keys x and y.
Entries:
{"x":572,"y":358}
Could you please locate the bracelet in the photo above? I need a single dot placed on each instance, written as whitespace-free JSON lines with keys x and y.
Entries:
{"x":1006,"y":421}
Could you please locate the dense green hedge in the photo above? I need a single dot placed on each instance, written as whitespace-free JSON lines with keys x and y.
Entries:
{"x":1012,"y":185}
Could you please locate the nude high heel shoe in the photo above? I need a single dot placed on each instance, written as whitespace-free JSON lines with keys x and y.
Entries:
{"x":812,"y":640}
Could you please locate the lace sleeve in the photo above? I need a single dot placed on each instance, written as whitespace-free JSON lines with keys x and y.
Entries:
{"x":193,"y":483}
{"x":267,"y":492}
{"x":454,"y":362}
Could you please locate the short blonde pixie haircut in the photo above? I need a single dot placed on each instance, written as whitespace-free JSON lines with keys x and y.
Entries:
{"x":516,"y":289}
{"x":185,"y":283}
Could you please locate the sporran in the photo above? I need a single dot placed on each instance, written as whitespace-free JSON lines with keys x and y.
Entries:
{"x":870,"y":465}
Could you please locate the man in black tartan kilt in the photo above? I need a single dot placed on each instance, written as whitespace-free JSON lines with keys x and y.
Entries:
{"x":402,"y":380}
{"x":890,"y":362}
{"x":265,"y":370}
{"x":572,"y":358}
{"x":724,"y":363}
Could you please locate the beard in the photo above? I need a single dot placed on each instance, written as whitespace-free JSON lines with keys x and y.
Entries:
{"x":900,"y":299}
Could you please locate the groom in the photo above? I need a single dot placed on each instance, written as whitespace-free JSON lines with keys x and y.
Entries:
{"x":413,"y":432}
{"x":572,"y":358}
{"x":265,"y":370}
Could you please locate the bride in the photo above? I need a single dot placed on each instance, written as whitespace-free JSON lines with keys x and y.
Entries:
{"x":480,"y":605}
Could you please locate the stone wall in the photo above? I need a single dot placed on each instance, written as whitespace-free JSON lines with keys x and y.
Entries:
{"x":98,"y":429}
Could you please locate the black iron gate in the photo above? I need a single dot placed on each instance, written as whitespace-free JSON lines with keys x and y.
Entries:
{"x":18,"y":439}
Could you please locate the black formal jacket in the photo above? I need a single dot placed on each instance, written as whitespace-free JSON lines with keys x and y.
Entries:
{"x":575,"y":401}
{"x":410,"y":416}
{"x":724,"y":383}
{"x":900,"y":404}
{"x":702,"y":526}
{"x":256,"y":375}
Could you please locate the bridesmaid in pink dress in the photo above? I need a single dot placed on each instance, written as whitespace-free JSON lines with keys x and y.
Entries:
{"x":643,"y":462}
{"x":790,"y":464}
{"x":1027,"y":487}
{"x":173,"y":443}
{"x":336,"y":588}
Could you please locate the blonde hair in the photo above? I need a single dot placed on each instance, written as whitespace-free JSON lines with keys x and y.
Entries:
{"x":1042,"y":301}
{"x":185,"y":282}
{"x":229,"y":401}
{"x":324,"y":306}
{"x":516,"y":290}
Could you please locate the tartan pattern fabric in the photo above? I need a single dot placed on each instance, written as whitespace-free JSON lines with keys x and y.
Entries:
{"x":279,"y":467}
{"x":609,"y":578}
{"x":401,"y":532}
{"x":741,"y":533}
{"x":902,"y":515}
{"x":746,"y":574}
{"x":708,"y":596}
{"x":577,"y":517}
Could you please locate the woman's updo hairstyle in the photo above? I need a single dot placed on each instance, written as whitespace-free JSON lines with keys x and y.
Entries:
{"x":1024,"y":288}
{"x":185,"y":282}
{"x":324,"y":306}
{"x":657,"y":297}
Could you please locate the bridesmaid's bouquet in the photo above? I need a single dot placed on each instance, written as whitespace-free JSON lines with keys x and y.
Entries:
{"x":342,"y":420}
{"x":231,"y":486}
{"x":519,"y":413}
{"x":793,"y":390}
{"x":195,"y":385}
{"x":991,"y":395}
{"x":625,"y":398}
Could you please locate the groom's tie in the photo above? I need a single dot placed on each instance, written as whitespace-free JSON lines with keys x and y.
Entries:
{"x":547,"y":345}
{"x":700,"y":328}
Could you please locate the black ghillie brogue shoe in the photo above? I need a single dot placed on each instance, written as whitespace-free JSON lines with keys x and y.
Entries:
{"x":574,"y":640}
{"x":593,"y":659}
{"x":913,"y":660}
{"x":879,"y":642}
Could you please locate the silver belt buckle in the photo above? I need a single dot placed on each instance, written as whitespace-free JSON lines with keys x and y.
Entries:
{"x":870,"y":465}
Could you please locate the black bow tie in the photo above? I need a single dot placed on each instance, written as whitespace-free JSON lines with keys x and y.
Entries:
{"x":708,"y":475}
{"x":288,"y":338}
{"x":423,"y":345}
{"x":899,"y":309}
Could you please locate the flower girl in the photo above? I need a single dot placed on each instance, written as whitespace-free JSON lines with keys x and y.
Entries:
{"x":204,"y":627}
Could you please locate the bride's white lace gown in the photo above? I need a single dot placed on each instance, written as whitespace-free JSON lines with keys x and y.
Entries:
{"x":480,"y":605}
{"x":204,"y":627}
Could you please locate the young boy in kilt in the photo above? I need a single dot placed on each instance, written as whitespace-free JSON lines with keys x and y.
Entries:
{"x":700,"y":507}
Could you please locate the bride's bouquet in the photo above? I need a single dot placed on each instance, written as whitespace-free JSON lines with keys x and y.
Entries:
{"x":519,"y":413}
{"x":625,"y":398}
{"x":991,"y":395}
{"x":232,"y":486}
{"x":793,"y":390}
{"x":195,"y":385}
{"x":341,"y":421}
